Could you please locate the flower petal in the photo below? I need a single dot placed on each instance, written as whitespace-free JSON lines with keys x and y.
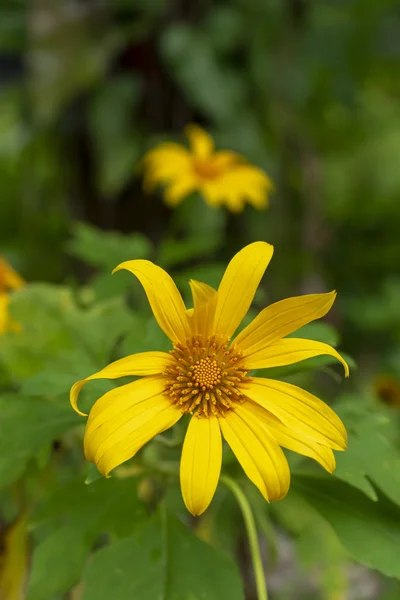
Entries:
{"x":165,"y":300}
{"x":200,"y":463}
{"x":294,"y":441}
{"x":260,"y":456}
{"x":143,"y":363}
{"x":9,"y":278}
{"x":201,"y":143}
{"x":289,"y":351}
{"x":4,"y":312}
{"x":201,"y":317}
{"x":281,"y":318}
{"x":300,"y":411}
{"x":201,"y":292}
{"x":180,"y":189}
{"x":238,"y":286}
{"x":116,"y":407}
{"x":166,"y":162}
{"x":153,"y":416}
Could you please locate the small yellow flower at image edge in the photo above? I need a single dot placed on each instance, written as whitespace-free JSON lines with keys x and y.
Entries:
{"x":9,"y":280}
{"x":211,"y":378}
{"x":222,"y":177}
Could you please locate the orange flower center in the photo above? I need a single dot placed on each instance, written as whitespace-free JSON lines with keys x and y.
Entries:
{"x":208,"y":376}
{"x":206,"y":168}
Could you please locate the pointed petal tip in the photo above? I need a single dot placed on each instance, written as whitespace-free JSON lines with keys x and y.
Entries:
{"x":73,"y":396}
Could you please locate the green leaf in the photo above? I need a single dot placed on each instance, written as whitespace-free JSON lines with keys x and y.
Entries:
{"x":107,"y":505}
{"x":116,"y":141}
{"x":26,"y":426}
{"x":173,"y":252}
{"x":47,"y":383}
{"x":106,"y":249}
{"x":371,"y":456}
{"x":162,"y":560}
{"x":370,"y":531}
{"x":57,"y":564}
{"x":208,"y":84}
{"x":93,"y":474}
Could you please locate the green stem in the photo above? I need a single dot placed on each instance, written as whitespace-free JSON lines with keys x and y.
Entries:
{"x":249,"y":522}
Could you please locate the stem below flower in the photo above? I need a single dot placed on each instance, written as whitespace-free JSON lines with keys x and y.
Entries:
{"x":251,"y":530}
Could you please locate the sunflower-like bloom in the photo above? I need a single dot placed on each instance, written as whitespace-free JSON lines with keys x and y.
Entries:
{"x":221,"y":177}
{"x":210,"y":377}
{"x":9,"y":280}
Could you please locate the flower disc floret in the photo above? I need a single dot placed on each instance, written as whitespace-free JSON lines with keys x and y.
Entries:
{"x":208,"y":377}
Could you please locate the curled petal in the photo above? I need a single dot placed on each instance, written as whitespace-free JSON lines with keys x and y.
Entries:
{"x":165,"y":300}
{"x":289,"y":351}
{"x":200,"y":463}
{"x":281,"y":318}
{"x":143,"y":363}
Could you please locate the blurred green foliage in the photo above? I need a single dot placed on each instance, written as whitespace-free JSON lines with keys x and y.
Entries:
{"x":308,"y":91}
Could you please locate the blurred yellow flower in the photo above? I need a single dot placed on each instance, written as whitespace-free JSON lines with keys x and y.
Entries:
{"x":387,"y":388}
{"x":221,"y":177}
{"x":208,"y":377}
{"x":9,"y":280}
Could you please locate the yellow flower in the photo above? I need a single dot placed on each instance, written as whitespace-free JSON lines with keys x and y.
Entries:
{"x":9,"y":280}
{"x":387,"y":388}
{"x":210,"y":377}
{"x":221,"y":177}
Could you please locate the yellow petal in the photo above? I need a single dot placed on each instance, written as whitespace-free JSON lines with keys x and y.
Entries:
{"x":155,"y":416}
{"x":238,"y":286}
{"x":201,"y":292}
{"x":226,"y":159}
{"x":115,"y":407}
{"x":260,"y":456}
{"x":201,"y":317}
{"x":201,"y":143}
{"x":165,"y":300}
{"x":281,"y":318}
{"x":200,"y":463}
{"x":294,"y":441}
{"x":4,"y":313}
{"x":289,"y":351}
{"x":300,"y":411}
{"x":14,"y":557}
{"x":143,"y":363}
{"x":9,"y":278}
{"x":210,"y":192}
{"x":179,"y":190}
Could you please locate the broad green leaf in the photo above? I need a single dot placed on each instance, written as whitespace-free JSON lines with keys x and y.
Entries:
{"x":209,"y":85}
{"x":370,"y":531}
{"x":165,"y":560}
{"x":48,"y":383}
{"x":172,"y":252}
{"x":371,"y":456}
{"x":117,"y":145}
{"x":106,"y":506}
{"x":106,"y":249}
{"x":26,"y":426}
{"x":57,"y":563}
